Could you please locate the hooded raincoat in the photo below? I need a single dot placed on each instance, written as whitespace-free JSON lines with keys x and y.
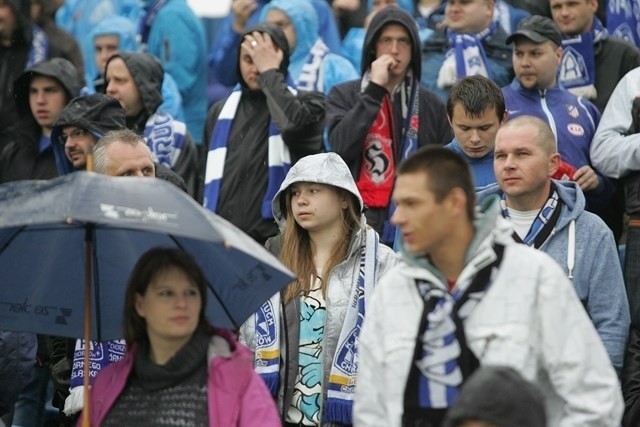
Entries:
{"x":327,"y":169}
{"x":300,"y":120}
{"x":23,"y":157}
{"x":529,"y":319}
{"x":169,"y":140}
{"x":584,"y":248}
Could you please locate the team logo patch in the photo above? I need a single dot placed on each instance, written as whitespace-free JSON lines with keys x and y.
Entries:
{"x":573,"y":111}
{"x":265,"y":326}
{"x":575,"y":129}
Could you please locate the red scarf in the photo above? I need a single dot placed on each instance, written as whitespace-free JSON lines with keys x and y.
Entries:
{"x":378,"y":168}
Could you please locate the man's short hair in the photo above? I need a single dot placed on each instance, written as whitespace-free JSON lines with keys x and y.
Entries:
{"x":545,"y":137}
{"x":476,"y":94}
{"x":124,"y":136}
{"x":445,"y":171}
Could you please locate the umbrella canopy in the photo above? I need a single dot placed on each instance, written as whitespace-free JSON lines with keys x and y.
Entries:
{"x":44,"y":227}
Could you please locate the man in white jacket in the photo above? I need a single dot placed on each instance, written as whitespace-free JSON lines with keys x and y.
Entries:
{"x":466,"y":295}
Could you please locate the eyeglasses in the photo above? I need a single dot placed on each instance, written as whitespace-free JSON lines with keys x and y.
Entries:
{"x":78,"y":133}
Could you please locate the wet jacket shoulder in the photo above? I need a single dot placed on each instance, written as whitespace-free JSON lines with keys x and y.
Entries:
{"x":20,"y":159}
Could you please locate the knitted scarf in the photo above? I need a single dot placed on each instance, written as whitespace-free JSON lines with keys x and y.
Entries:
{"x":39,"y":47}
{"x":380,"y":152}
{"x":466,"y":56}
{"x":543,"y":224}
{"x":344,"y":368}
{"x":312,"y":75}
{"x":279,"y":159}
{"x":165,"y":137}
{"x":622,"y":21}
{"x":578,"y":66}
{"x":442,"y":360}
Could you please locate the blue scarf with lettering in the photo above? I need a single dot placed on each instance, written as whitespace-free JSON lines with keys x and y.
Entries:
{"x":344,"y":369}
{"x":311,"y":76}
{"x":165,"y":137}
{"x":622,"y":20}
{"x":466,"y":56}
{"x":39,"y":50}
{"x":578,"y":66}
{"x":279,"y":158}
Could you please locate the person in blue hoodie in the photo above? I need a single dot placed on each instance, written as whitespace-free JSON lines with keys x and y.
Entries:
{"x":550,"y":215}
{"x":312,"y":65}
{"x":246,"y":13}
{"x":476,"y":110}
{"x":170,"y":31}
{"x":536,"y":91}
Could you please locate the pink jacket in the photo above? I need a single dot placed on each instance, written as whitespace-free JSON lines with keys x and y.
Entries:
{"x":237,"y":396}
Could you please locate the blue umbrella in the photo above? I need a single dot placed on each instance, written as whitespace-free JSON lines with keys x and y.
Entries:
{"x":76,"y":238}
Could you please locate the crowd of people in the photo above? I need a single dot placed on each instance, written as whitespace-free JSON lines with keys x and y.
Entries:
{"x":454,"y":184}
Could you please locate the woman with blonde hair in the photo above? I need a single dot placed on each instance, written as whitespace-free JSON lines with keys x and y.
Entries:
{"x":305,"y":339}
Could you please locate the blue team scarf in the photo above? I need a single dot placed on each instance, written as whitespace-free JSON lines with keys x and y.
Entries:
{"x":279,"y":158}
{"x":39,"y":50}
{"x":546,"y":219}
{"x":101,"y":355}
{"x":344,"y":369}
{"x":146,"y":20}
{"x":312,"y":75}
{"x":165,"y":137}
{"x":442,"y":360}
{"x":622,"y":22}
{"x":578,"y":68}
{"x":467,"y":52}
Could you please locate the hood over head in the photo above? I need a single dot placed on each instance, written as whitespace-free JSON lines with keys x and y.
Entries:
{"x":278,"y":37}
{"x":391,"y":15}
{"x":57,"y":68}
{"x":97,"y":114}
{"x":498,"y":395}
{"x":305,"y":23}
{"x":147,"y":73}
{"x":117,"y":26}
{"x":324,"y":168}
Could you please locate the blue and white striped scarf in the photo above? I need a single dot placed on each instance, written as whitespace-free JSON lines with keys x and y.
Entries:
{"x":543,"y":218}
{"x":165,"y":136}
{"x":39,"y":50}
{"x":578,"y":65}
{"x":622,"y":20}
{"x":312,"y":76}
{"x":344,"y":369}
{"x":279,"y":158}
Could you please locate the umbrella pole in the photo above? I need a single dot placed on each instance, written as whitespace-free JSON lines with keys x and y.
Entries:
{"x":88,"y":274}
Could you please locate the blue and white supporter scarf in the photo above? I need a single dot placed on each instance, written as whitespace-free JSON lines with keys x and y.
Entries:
{"x":623,"y":20}
{"x":466,"y":56}
{"x":442,"y":360}
{"x":39,"y":50}
{"x":165,"y":136}
{"x":146,"y":21}
{"x":578,"y":66}
{"x":279,"y":158}
{"x":312,"y":76}
{"x":546,"y":219}
{"x":344,"y":368}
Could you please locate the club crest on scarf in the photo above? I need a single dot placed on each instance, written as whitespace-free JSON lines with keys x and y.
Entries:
{"x":266,"y":335}
{"x":573,"y":68}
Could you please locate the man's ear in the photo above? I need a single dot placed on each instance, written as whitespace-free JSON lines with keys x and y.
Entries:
{"x":554,"y":163}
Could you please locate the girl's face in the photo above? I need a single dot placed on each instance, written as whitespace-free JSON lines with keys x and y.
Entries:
{"x":317,"y":207}
{"x":171,"y":308}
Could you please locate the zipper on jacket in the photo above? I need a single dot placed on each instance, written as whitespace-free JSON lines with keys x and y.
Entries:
{"x":547,"y":112}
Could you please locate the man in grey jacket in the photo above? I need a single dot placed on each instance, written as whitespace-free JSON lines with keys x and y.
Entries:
{"x":550,"y":215}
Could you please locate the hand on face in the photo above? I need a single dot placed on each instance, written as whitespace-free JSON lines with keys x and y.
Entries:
{"x":242,"y":10}
{"x":264,"y":53}
{"x":381,"y":69}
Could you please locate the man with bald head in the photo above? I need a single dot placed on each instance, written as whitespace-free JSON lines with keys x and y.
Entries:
{"x":549,"y":215}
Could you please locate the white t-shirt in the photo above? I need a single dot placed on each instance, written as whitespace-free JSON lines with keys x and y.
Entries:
{"x":522,"y":221}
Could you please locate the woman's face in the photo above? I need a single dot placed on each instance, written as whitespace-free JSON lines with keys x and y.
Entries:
{"x":317,"y":207}
{"x":171,"y":308}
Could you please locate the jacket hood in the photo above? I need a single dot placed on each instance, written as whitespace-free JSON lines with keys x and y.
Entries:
{"x":501,"y":396}
{"x":305,"y":23}
{"x":277,"y":35}
{"x":22,"y":10}
{"x":95,"y":113}
{"x":117,"y":26}
{"x":324,"y":168}
{"x":57,"y":68}
{"x":574,"y":202}
{"x":391,"y":15}
{"x":147,"y":73}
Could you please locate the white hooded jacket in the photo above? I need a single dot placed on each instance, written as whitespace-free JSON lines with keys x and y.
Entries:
{"x":530,"y":319}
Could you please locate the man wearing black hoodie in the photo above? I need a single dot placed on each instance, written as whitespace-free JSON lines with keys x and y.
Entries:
{"x":376,"y":122}
{"x":41,"y":92}
{"x":22,"y":44}
{"x":135,"y":79}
